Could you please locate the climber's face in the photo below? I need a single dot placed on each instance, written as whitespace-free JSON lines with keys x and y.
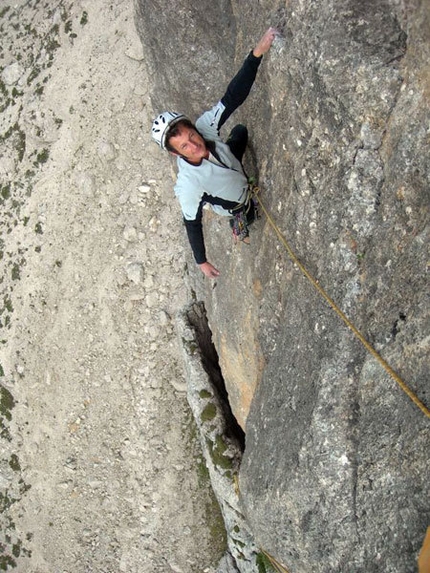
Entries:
{"x":190,"y":145}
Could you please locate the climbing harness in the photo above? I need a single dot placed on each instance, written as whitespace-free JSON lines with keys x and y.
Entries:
{"x":243,"y":216}
{"x":366,"y":344}
{"x":239,"y":226}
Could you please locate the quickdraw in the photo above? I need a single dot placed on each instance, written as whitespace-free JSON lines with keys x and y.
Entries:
{"x":239,"y":225}
{"x":244,"y":217}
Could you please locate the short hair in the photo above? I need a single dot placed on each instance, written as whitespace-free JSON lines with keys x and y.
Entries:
{"x":176,"y":130}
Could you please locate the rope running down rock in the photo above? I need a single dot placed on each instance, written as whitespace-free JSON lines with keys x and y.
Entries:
{"x":366,"y":344}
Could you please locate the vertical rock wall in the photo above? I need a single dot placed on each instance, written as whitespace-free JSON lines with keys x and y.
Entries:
{"x":335,"y":475}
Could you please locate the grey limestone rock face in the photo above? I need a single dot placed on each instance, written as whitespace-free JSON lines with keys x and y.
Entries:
{"x":335,"y":472}
{"x":334,"y":477}
{"x":184,"y":43}
{"x":220,"y":445}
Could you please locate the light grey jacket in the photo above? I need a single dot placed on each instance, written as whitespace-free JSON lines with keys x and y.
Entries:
{"x":226,"y":182}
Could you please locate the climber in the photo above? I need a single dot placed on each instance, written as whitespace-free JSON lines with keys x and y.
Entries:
{"x":209,"y":170}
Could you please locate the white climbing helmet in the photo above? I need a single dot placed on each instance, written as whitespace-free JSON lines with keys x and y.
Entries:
{"x":162,"y":124}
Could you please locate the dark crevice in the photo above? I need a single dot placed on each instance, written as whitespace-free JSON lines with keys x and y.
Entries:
{"x":397,"y":325}
{"x":198,"y":320}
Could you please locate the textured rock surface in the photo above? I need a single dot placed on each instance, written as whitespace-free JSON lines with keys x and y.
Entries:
{"x":189,"y":32}
{"x":335,"y":474}
{"x":221,"y":444}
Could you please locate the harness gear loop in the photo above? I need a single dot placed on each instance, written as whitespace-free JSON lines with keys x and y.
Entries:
{"x":366,"y":344}
{"x":243,"y":215}
{"x":239,"y":225}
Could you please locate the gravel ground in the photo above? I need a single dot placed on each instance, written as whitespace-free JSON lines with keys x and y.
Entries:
{"x":100,"y":466}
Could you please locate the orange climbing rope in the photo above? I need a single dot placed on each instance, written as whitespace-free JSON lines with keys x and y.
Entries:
{"x":275,"y":564}
{"x":342,"y":315}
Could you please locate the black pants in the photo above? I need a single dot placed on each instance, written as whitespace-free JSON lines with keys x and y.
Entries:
{"x":237,"y":141}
